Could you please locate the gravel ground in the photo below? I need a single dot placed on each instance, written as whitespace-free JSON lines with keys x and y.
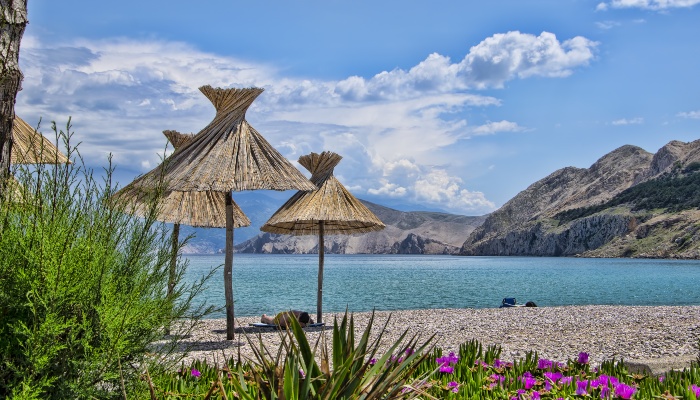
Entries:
{"x":669,"y":334}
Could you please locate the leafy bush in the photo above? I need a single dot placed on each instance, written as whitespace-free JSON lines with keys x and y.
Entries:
{"x":82,"y":285}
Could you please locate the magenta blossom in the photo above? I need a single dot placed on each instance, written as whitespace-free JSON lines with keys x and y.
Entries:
{"x":599,"y":381}
{"x":581,"y":387}
{"x":582,"y":358}
{"x":529,"y":382}
{"x":409,"y":351}
{"x":543,"y":363}
{"x":623,"y":391}
{"x":446,"y":369}
{"x":519,"y":394}
{"x":372,"y":361}
{"x":454,"y":386}
{"x":553,"y":376}
{"x":566,"y":380}
{"x":196,"y":373}
{"x":446,"y":363}
{"x":497,"y":379}
{"x":302,"y":373}
{"x":695,"y":389}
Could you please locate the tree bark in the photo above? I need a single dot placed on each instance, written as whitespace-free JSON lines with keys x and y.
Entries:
{"x":13,"y":20}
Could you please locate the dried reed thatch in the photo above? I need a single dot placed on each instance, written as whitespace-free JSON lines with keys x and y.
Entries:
{"x":31,"y":147}
{"x":330,"y":209}
{"x":205,"y":209}
{"x":229,"y":154}
{"x":331,"y":203}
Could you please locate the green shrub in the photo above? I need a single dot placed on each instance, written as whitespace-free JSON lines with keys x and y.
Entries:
{"x":82,"y":285}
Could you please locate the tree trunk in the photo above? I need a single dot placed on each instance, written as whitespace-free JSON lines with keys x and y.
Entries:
{"x":13,"y":20}
{"x":321,"y":253}
{"x":228,"y":267}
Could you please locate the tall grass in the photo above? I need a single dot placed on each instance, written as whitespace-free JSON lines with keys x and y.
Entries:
{"x":82,"y":285}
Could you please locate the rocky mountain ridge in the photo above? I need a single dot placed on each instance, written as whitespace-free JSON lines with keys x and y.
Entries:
{"x":417,"y":232}
{"x":528,"y":224}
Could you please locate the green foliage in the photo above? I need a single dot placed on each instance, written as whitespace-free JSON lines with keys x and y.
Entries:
{"x":82,"y":286}
{"x":673,"y":192}
{"x":349,"y":370}
{"x":475,"y":373}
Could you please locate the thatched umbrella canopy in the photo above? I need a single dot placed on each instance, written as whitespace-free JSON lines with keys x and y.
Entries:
{"x":228,"y":154}
{"x":329,"y":209}
{"x":31,"y":147}
{"x":205,"y":209}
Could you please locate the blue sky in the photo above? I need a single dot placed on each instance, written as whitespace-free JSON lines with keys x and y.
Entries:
{"x":444,"y":105}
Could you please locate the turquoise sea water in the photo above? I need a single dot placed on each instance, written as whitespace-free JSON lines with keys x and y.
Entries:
{"x":270,"y":283}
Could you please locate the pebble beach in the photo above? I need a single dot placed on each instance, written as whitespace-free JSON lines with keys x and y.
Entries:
{"x":665,"y":335}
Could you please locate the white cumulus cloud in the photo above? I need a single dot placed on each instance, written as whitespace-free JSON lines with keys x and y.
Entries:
{"x":631,"y":121}
{"x":492,"y":128}
{"x":437,"y":187}
{"x":690,"y":114}
{"x":390,"y":128}
{"x":656,"y":5}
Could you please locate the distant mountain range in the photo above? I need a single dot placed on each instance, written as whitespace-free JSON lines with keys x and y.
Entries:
{"x":415,"y":232}
{"x":629,"y":203}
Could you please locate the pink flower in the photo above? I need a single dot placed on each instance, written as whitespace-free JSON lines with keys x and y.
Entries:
{"x":446,"y":369}
{"x":581,"y":387}
{"x":454,"y":386}
{"x":582,"y":358}
{"x":624,"y":391}
{"x":196,"y":373}
{"x":695,"y":389}
{"x":446,"y":363}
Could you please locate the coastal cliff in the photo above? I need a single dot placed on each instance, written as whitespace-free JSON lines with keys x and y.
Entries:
{"x":629,"y":203}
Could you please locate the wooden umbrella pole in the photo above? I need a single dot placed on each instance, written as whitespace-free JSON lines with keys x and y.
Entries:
{"x":173,"y":258}
{"x":321,"y":251}
{"x":228,"y":267}
{"x":173,"y":264}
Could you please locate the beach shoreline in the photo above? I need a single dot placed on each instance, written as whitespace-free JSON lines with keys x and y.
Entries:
{"x":645,"y":335}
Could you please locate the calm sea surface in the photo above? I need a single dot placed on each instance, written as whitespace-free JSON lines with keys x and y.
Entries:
{"x":271,"y":283}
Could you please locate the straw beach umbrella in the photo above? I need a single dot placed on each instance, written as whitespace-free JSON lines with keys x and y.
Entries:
{"x":206,"y":209}
{"x":330,"y":209}
{"x":228,"y":154}
{"x":31,"y":147}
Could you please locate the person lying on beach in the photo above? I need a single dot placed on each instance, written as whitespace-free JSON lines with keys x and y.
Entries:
{"x":282,"y":319}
